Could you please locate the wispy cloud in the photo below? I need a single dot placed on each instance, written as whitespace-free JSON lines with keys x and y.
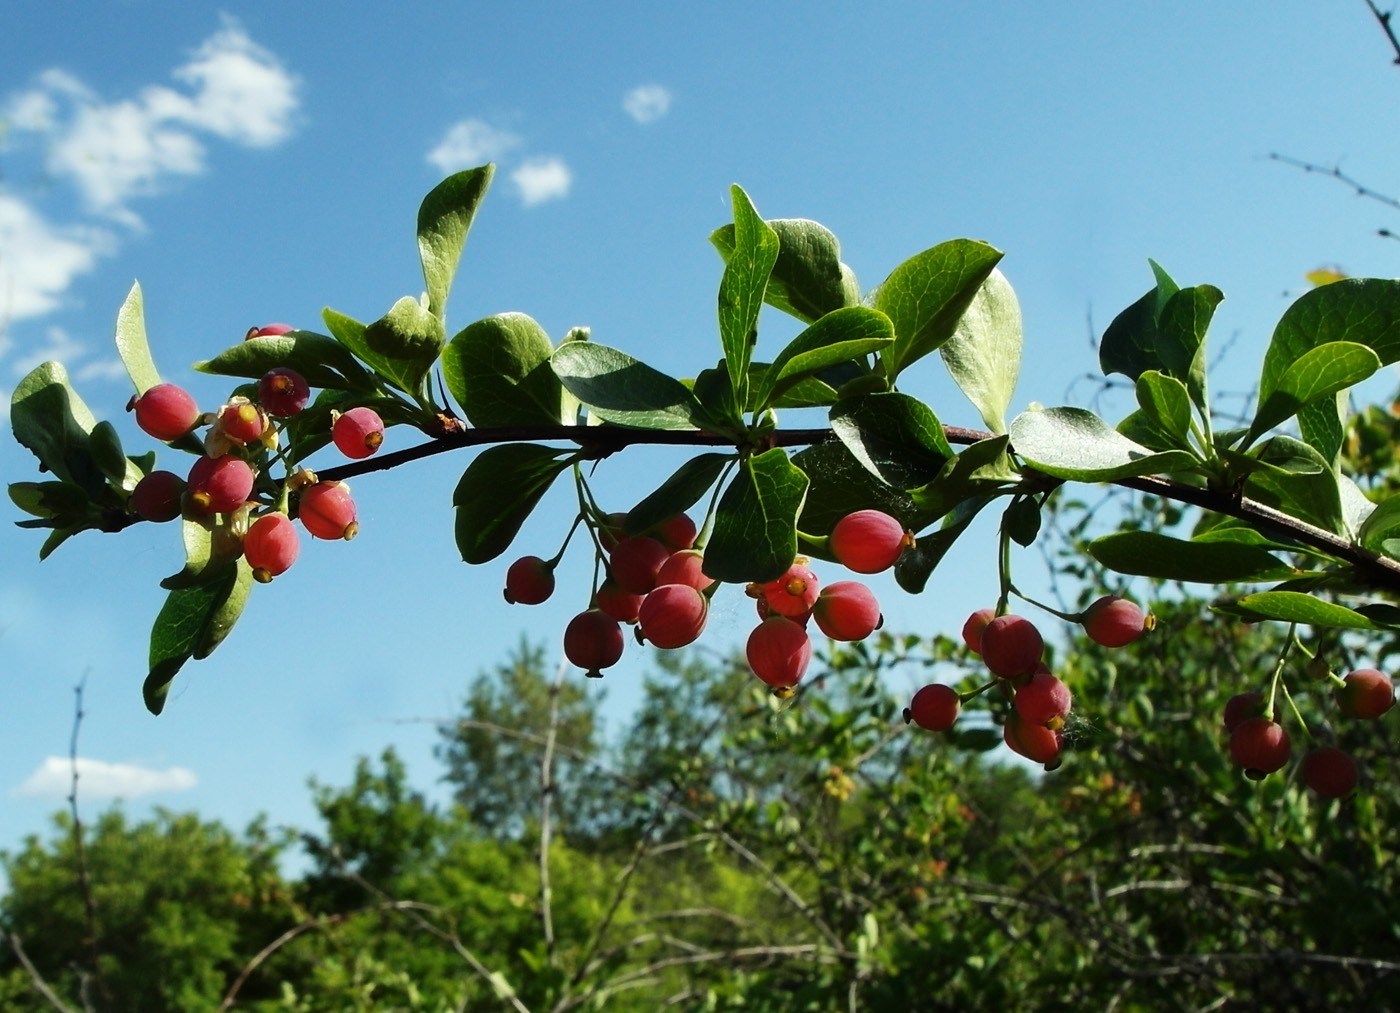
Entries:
{"x":542,"y":179}
{"x":39,"y":260}
{"x":98,"y":780}
{"x":647,"y":103}
{"x":470,"y":143}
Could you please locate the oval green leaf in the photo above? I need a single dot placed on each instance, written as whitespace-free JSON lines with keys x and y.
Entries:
{"x":1072,"y":443}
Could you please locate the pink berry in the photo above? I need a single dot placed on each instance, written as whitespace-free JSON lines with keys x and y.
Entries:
{"x":934,"y":707}
{"x":635,"y":563}
{"x":327,"y":511}
{"x":621,"y":605}
{"x":1241,"y":707}
{"x":869,"y":541}
{"x":847,"y":610}
{"x":1330,"y":772}
{"x":165,"y":411}
{"x":1114,"y":622}
{"x":241,"y":421}
{"x":157,"y":496}
{"x":778,"y":651}
{"x":1011,"y":646}
{"x":684,"y":567}
{"x":271,"y":546}
{"x":1045,"y":700}
{"x":283,"y":392}
{"x":1260,"y":746}
{"x":794,"y":593}
{"x":672,"y":615}
{"x":593,"y":642}
{"x":1368,"y":693}
{"x":972,"y":629}
{"x":358,"y":432}
{"x":219,"y":484}
{"x":676,"y":533}
{"x":1035,"y":742}
{"x":529,"y":581}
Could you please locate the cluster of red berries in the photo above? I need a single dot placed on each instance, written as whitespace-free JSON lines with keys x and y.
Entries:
{"x":1011,"y":647}
{"x":656,"y":581}
{"x":221,"y":481}
{"x":1260,"y":745}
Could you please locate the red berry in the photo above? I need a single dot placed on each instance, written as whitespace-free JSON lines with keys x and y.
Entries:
{"x":1035,"y":742}
{"x":327,"y":511}
{"x":241,"y":421}
{"x":529,"y":581}
{"x":972,"y":629}
{"x":1330,"y":772}
{"x":621,"y":605}
{"x":778,"y":651}
{"x":684,"y":567}
{"x":676,"y":532}
{"x":794,"y":593}
{"x":271,"y":546}
{"x":1367,"y":694}
{"x":636,"y":562}
{"x":1114,"y":622}
{"x":869,"y":541}
{"x":1241,"y":707}
{"x":847,"y":610}
{"x":672,"y":615}
{"x":157,"y":496}
{"x":283,"y":392}
{"x":1045,"y":700}
{"x":220,"y":484}
{"x":358,"y":432}
{"x":270,"y":331}
{"x":934,"y":707}
{"x":1011,"y":646}
{"x":1260,"y":746}
{"x":593,"y":642}
{"x":165,"y":411}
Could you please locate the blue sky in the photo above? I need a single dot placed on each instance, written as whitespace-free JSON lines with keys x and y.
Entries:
{"x":258,"y":162}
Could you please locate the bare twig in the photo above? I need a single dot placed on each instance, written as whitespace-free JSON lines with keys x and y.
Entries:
{"x":80,"y":851}
{"x":546,"y":814}
{"x":1384,"y":19}
{"x":35,"y":978}
{"x":1336,"y":173}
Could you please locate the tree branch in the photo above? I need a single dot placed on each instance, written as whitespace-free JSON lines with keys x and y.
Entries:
{"x":1384,"y":21}
{"x":80,"y":851}
{"x":546,"y":800}
{"x":35,"y":978}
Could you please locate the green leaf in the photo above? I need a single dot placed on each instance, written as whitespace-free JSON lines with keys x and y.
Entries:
{"x":1316,"y":498}
{"x":927,"y":295}
{"x":808,"y":279}
{"x":1139,"y":428}
{"x":620,"y":389}
{"x":322,"y":361}
{"x":498,"y":491}
{"x":755,"y":533}
{"x":1294,"y":607}
{"x":1181,"y":337}
{"x":1130,"y":345}
{"x":106,"y":448}
{"x":840,"y":336}
{"x":50,"y":499}
{"x":916,"y":565}
{"x":406,"y":342}
{"x":498,"y":370}
{"x":1149,"y":554}
{"x":225,"y":612}
{"x":1021,"y":520}
{"x":1317,"y":373}
{"x":678,"y":493}
{"x":180,"y":626}
{"x":1075,"y":444}
{"x":895,"y":436}
{"x":983,"y":469}
{"x":983,"y":355}
{"x":1382,"y":524}
{"x":131,"y":342}
{"x":1166,"y":407}
{"x":210,"y":546}
{"x":444,"y":219}
{"x":742,"y":288}
{"x":49,"y":418}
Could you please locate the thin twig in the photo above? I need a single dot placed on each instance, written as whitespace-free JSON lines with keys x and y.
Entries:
{"x":35,"y":978}
{"x":1386,"y":26}
{"x":80,"y":852}
{"x":1336,"y":173}
{"x":546,"y":813}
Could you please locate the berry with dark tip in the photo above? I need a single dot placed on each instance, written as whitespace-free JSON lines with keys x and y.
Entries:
{"x":1260,"y":746}
{"x":1011,"y":646}
{"x":219,"y":484}
{"x":593,"y":642}
{"x":529,"y":581}
{"x":165,"y":411}
{"x":778,"y":651}
{"x":869,"y":541}
{"x":934,"y":707}
{"x":847,"y":610}
{"x":271,"y":546}
{"x":672,"y":615}
{"x":1114,"y":622}
{"x":327,"y":511}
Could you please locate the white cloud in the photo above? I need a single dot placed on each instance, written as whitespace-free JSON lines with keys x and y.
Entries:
{"x":112,"y":151}
{"x":39,"y":260}
{"x":542,"y":179}
{"x":98,"y":780}
{"x":647,"y":103}
{"x":470,"y":143}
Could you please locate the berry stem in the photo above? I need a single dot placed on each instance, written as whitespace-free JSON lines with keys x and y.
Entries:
{"x":1278,"y":671}
{"x":1296,"y":715}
